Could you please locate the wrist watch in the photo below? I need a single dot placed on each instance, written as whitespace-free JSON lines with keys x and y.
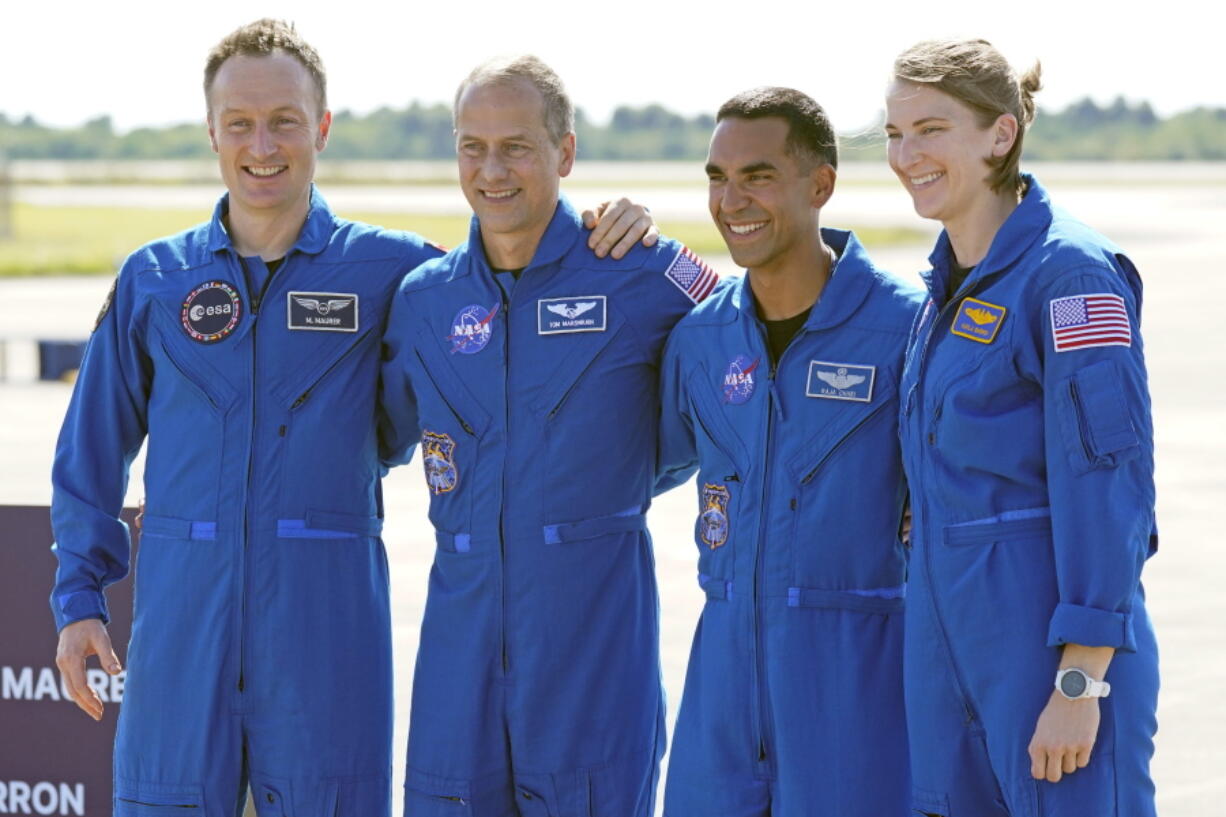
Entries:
{"x":1074,"y":683}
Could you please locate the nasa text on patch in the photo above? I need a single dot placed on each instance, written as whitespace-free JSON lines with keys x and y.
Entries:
{"x":322,"y":311}
{"x":578,"y":313}
{"x":841,"y":381}
{"x":978,"y":320}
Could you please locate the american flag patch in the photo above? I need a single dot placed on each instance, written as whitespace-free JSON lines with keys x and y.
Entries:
{"x":1084,"y":321}
{"x":692,"y":275}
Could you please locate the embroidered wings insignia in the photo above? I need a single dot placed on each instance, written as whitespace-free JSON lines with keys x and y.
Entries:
{"x":333,"y":305}
{"x":571,"y":312}
{"x":841,"y":380}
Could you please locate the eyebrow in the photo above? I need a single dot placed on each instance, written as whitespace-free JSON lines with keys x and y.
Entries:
{"x":918,"y":122}
{"x":756,"y":167}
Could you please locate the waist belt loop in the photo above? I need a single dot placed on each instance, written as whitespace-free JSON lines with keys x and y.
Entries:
{"x":716,"y":589}
{"x":631,"y":520}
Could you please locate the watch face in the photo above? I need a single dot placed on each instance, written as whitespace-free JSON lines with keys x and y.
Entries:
{"x":1073,"y":684}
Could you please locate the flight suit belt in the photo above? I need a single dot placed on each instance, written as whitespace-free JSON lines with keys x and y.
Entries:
{"x":316,"y":525}
{"x":631,"y":520}
{"x":874,"y":600}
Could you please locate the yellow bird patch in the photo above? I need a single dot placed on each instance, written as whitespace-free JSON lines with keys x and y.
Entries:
{"x":978,"y":320}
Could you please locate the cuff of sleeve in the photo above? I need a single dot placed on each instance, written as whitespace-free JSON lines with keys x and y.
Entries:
{"x":78,"y":605}
{"x":1091,"y":627}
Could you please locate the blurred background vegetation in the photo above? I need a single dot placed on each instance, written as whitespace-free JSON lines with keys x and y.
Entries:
{"x":1084,"y":131}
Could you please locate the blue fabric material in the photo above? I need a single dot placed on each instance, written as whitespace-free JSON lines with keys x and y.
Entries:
{"x":540,"y":445}
{"x":1031,"y":471}
{"x":793,"y":697}
{"x":258,"y":434}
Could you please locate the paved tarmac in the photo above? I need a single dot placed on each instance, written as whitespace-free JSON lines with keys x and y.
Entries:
{"x":1173,"y":232}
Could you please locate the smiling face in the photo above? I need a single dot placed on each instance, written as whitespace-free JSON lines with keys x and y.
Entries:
{"x":510,"y":168}
{"x":266,"y":129}
{"x":938,"y":149}
{"x":763,"y":199}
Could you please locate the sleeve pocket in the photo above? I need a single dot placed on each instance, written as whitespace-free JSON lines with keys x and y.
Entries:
{"x":1098,"y":432}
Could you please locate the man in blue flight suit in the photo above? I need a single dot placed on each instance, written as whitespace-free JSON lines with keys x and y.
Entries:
{"x":247,"y":350}
{"x":782,"y":389}
{"x":527,"y":369}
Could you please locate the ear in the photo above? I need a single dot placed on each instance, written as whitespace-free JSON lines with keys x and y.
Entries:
{"x":822,"y":178}
{"x":208,"y":121}
{"x":1004,"y":134}
{"x":568,"y":148}
{"x":321,"y":138}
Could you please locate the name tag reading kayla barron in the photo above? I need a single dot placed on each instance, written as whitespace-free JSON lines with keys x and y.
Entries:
{"x":322,"y":311}
{"x":581,"y":313}
{"x":841,"y":381}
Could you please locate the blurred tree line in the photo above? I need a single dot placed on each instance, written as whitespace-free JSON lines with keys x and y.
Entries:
{"x":1083,"y":131}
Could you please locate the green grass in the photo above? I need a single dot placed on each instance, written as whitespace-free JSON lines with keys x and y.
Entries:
{"x":95,"y":240}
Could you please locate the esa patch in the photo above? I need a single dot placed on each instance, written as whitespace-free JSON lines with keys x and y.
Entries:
{"x":471,"y":330}
{"x":713,"y":521}
{"x":691,"y":275}
{"x":740,"y":379}
{"x":211,"y":311}
{"x":840,"y":381}
{"x":322,"y":311}
{"x":1086,"y":321}
{"x":582,"y":313}
{"x":438,"y":458}
{"x":106,"y":305}
{"x":978,"y":320}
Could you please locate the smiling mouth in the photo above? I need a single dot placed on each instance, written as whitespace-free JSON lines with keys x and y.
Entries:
{"x":920,"y":181}
{"x":746,"y":229}
{"x":265,"y":172}
{"x":499,"y":195}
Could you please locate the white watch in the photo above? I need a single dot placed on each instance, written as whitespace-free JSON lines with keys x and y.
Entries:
{"x":1074,"y":684}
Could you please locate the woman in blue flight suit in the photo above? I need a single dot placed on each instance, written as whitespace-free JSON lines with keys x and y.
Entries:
{"x":1027,"y":441}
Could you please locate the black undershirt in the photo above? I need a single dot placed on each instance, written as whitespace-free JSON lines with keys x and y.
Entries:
{"x":500,"y":275}
{"x":257,"y":281}
{"x":780,"y":333}
{"x":957,"y":277}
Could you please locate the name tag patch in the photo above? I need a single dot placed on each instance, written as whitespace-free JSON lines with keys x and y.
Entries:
{"x":322,"y":311}
{"x":581,"y":313}
{"x":978,"y":320}
{"x":840,"y":381}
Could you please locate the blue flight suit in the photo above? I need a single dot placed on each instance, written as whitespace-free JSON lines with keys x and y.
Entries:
{"x":537,"y":688}
{"x":793,"y":699}
{"x":1027,"y":439}
{"x":261,"y":642}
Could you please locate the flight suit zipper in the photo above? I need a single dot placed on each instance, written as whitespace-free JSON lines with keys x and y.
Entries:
{"x":923,"y":460}
{"x":502,"y":528}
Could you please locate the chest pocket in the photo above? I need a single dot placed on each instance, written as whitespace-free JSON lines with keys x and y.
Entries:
{"x":453,"y":424}
{"x":848,"y":492}
{"x":188,"y":413}
{"x":598,"y":407}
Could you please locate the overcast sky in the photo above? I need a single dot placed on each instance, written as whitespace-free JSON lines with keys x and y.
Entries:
{"x":141,"y":61}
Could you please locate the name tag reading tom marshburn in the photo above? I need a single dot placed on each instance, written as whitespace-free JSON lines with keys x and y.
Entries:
{"x":322,"y":311}
{"x":556,"y":316}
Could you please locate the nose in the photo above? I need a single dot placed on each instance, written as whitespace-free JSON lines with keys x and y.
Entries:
{"x":262,"y":142}
{"x":492,"y":167}
{"x":732,"y":198}
{"x":903,"y":152}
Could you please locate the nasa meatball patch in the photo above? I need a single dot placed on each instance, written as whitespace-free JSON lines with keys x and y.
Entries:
{"x":841,"y":381}
{"x":322,"y":311}
{"x":211,"y":311}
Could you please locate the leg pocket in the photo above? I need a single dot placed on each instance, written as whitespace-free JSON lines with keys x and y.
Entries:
{"x":141,"y":799}
{"x":428,"y":795}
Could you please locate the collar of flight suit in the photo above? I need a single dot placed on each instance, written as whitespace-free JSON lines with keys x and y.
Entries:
{"x":1025,"y":225}
{"x":559,"y":238}
{"x":848,"y":286}
{"x":312,"y":238}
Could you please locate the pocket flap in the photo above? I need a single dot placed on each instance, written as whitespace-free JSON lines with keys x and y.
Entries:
{"x":135,"y":794}
{"x":1008,"y":525}
{"x":840,"y":424}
